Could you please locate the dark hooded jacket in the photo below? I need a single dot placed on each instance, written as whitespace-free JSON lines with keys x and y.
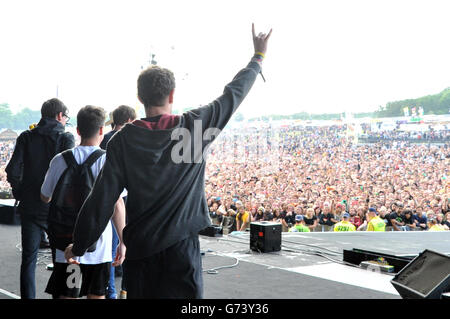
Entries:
{"x":159,"y":161}
{"x":29,"y":163}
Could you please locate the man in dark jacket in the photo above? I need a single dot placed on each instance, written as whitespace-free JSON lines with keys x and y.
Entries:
{"x":166,"y":205}
{"x":120,"y":116}
{"x":26,"y":171}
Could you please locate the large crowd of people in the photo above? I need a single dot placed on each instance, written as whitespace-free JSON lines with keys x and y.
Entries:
{"x":6,"y":150}
{"x":305,"y":178}
{"x":276,"y":174}
{"x":432,"y":134}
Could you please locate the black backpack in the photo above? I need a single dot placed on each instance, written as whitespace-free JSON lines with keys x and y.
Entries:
{"x":71,"y":191}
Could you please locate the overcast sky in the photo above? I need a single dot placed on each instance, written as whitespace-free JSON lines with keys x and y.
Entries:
{"x":324,"y":56}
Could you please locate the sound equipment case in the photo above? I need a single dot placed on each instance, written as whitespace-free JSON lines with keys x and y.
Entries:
{"x":265,"y":236}
{"x":9,"y":215}
{"x":212,"y":231}
{"x":426,"y":277}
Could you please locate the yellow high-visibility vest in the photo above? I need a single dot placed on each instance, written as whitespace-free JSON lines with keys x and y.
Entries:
{"x":344,"y":226}
{"x":376,"y":224}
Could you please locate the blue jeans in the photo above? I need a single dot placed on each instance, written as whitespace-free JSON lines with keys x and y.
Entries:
{"x":32,"y":230}
{"x":111,"y":290}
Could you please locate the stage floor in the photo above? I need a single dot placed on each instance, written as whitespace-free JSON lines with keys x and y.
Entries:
{"x":309,"y":266}
{"x":315,"y":261}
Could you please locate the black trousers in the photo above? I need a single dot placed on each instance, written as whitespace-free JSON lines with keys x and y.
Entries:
{"x":174,"y":273}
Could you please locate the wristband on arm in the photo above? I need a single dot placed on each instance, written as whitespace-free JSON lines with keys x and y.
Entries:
{"x":259,"y":57}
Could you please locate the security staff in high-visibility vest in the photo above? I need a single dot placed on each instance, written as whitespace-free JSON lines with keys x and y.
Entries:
{"x":299,"y":225}
{"x":345,"y":224}
{"x":433,"y":225}
{"x":375,"y":223}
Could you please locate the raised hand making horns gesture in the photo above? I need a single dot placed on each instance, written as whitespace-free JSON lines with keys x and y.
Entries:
{"x":260,"y":40}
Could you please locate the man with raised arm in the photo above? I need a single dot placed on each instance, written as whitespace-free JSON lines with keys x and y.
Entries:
{"x":159,"y":160}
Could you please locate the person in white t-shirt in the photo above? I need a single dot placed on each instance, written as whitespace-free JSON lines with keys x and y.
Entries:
{"x":89,"y":275}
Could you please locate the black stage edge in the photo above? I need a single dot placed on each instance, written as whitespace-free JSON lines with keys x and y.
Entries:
{"x":356,"y":256}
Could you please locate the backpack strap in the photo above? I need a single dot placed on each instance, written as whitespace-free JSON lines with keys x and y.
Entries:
{"x":69,"y":158}
{"x":94,"y":157}
{"x":71,"y":161}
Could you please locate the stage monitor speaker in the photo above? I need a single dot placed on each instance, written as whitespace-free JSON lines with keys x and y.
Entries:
{"x":426,"y":277}
{"x":8,"y":215}
{"x":265,"y":236}
{"x":212,"y":231}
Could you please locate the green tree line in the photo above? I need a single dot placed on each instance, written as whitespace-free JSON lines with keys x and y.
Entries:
{"x":432,"y":104}
{"x":19,"y":121}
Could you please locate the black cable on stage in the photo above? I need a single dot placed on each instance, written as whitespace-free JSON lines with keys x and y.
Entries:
{"x":214,"y":271}
{"x":306,"y":252}
{"x":320,"y":254}
{"x":311,"y":251}
{"x":311,"y":245}
{"x":297,"y":243}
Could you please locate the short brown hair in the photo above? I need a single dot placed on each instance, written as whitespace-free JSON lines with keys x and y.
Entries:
{"x":89,"y":120}
{"x":154,"y":85}
{"x":122,"y":114}
{"x":51,"y":108}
